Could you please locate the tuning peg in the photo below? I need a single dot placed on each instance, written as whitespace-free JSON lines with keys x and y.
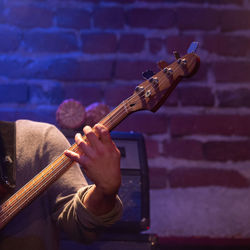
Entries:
{"x":139,"y":88}
{"x":162,"y":64}
{"x":176,"y":55}
{"x":147,"y":74}
{"x":193,"y":47}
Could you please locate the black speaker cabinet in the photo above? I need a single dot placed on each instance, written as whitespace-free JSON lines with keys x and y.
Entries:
{"x":134,"y":190}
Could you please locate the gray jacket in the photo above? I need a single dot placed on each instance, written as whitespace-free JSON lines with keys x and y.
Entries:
{"x":59,"y":207}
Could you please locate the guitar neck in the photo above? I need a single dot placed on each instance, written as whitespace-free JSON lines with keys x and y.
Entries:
{"x":148,"y":95}
{"x":115,"y":117}
{"x":51,"y":173}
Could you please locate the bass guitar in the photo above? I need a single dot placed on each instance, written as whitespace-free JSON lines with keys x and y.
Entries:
{"x":149,"y":95}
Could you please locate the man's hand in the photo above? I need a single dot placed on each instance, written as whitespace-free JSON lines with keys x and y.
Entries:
{"x":100,"y":159}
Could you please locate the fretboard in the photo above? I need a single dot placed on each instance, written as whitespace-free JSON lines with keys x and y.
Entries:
{"x":149,"y":95}
{"x":51,"y":173}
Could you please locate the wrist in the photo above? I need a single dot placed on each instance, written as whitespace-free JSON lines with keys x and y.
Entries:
{"x":98,"y":202}
{"x":106,"y":191}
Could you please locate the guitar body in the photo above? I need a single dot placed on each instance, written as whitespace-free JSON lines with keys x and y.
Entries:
{"x":149,"y":95}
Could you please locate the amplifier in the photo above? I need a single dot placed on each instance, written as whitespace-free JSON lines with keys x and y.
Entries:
{"x":134,"y":191}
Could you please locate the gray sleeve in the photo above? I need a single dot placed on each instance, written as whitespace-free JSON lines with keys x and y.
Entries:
{"x":66,"y":193}
{"x":78,"y":222}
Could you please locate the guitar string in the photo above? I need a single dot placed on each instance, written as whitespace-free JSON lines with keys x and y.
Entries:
{"x":54,"y":169}
{"x":149,"y":87}
{"x":20,"y":198}
{"x":54,"y":173}
{"x":38,"y":186}
{"x":24,"y":196}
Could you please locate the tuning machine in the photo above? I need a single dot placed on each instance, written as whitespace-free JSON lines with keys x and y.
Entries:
{"x":139,"y":89}
{"x":148,"y":74}
{"x":162,"y":64}
{"x":181,"y":61}
{"x":176,"y":55}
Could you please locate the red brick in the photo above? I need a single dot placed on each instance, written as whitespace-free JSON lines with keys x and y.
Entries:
{"x":1,"y":8}
{"x":14,"y":93}
{"x":158,"y":178}
{"x":145,"y":122}
{"x":51,"y":95}
{"x":172,"y":100}
{"x":232,"y":20}
{"x":109,"y":18}
{"x":38,"y":41}
{"x":99,"y":70}
{"x":29,"y":16}
{"x":11,"y":41}
{"x":73,"y":18}
{"x":61,"y":69}
{"x":155,"y":45}
{"x":151,"y":18}
{"x":210,"y":124}
{"x":7,"y":65}
{"x":196,"y":96}
{"x":178,"y":43}
{"x":227,"y":150}
{"x":231,"y":71}
{"x":185,"y":149}
{"x":67,"y":69}
{"x":132,"y":70}
{"x":8,"y":114}
{"x":234,"y":98}
{"x":35,"y":114}
{"x":115,"y":94}
{"x":202,"y":177}
{"x":131,"y":43}
{"x":84,"y":93}
{"x":227,"y":45}
{"x":197,"y":18}
{"x":99,"y":43}
{"x":152,"y":147}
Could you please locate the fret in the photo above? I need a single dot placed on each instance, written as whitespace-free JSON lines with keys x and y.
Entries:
{"x":35,"y":186}
{"x":148,"y":95}
{"x":115,"y":116}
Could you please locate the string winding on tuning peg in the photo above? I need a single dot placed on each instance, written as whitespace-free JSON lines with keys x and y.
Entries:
{"x":148,"y":74}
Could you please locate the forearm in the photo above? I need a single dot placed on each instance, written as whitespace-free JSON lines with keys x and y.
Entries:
{"x":97,"y":202}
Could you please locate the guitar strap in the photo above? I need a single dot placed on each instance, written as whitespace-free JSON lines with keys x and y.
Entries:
{"x":7,"y":155}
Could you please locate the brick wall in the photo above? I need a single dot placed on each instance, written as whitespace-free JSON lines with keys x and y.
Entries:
{"x":198,"y":143}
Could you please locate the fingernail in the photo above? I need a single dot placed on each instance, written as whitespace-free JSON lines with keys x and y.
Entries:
{"x":78,"y":135}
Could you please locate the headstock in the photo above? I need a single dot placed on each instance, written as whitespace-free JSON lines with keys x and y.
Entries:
{"x":151,"y":93}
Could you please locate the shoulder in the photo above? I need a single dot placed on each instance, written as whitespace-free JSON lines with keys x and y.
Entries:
{"x":32,"y":131}
{"x":33,"y":126}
